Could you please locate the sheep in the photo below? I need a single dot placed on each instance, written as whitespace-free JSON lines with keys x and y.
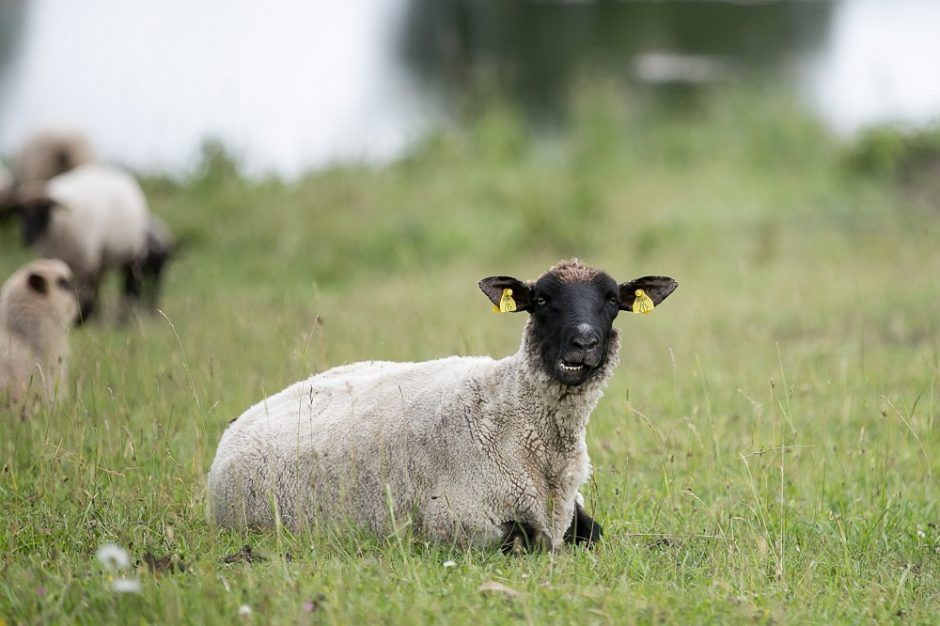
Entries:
{"x":94,"y":217}
{"x":477,"y":452}
{"x":51,"y":152}
{"x":37,"y":307}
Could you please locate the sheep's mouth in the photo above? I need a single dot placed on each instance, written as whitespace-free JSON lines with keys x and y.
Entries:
{"x":572,"y":374}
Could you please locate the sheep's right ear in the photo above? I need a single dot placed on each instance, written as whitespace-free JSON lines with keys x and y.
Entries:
{"x":37,"y":282}
{"x":494,"y":287}
{"x":656,"y":288}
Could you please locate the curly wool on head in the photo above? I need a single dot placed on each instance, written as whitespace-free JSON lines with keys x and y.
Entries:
{"x":573,"y":271}
{"x":37,"y":308}
{"x":470,"y":450}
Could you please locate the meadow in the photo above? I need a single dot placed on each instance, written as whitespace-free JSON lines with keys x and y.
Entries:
{"x":766,"y":452}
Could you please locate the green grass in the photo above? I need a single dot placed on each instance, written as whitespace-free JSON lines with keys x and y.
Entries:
{"x":767,"y":451}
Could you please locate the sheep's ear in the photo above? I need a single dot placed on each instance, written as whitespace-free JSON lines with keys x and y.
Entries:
{"x":494,"y":287}
{"x":655,"y":288}
{"x":37,"y":282}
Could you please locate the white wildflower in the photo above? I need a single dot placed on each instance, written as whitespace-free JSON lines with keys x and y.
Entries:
{"x":244,"y":611}
{"x":450,"y":563}
{"x":126,"y":585}
{"x":113,"y":557}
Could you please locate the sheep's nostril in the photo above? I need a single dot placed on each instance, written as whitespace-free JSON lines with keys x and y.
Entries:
{"x":585,"y":342}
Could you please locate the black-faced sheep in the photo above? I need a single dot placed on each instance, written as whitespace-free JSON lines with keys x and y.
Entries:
{"x":50,"y":152}
{"x":37,"y":307}
{"x":475,"y":451}
{"x":94,"y":217}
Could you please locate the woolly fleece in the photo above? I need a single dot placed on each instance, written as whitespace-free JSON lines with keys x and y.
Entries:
{"x":461,"y":446}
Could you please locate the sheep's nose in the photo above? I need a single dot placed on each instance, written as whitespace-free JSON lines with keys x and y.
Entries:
{"x":585,"y":338}
{"x":585,"y":343}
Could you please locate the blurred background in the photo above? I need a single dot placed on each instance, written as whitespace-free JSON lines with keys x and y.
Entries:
{"x":292,"y":86}
{"x":302,"y":150}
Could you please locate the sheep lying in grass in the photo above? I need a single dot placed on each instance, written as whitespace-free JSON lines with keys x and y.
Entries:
{"x":51,"y":152}
{"x":94,"y":217}
{"x":475,"y":451}
{"x":37,"y":308}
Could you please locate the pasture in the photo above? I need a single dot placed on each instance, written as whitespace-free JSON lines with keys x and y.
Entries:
{"x":766,"y":452}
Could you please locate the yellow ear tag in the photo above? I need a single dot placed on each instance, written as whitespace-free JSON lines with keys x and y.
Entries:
{"x":643,"y":303}
{"x":506,"y":303}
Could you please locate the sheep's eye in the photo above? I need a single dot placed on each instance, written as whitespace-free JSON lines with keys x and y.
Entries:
{"x":614,"y":300}
{"x":64,"y":283}
{"x":541,"y":301}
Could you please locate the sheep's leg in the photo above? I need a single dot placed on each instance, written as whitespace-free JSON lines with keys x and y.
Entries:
{"x":523,"y":537}
{"x":152,"y":282}
{"x":133,"y":287}
{"x":151,"y":277}
{"x":583,"y":529}
{"x":87,"y":297}
{"x":133,"y":281}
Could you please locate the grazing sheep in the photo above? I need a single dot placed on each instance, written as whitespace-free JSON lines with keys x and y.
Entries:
{"x":94,"y":217}
{"x":475,"y":451}
{"x":49,"y":153}
{"x":37,"y":307}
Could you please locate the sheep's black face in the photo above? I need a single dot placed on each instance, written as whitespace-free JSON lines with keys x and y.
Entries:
{"x":573,"y":308}
{"x":35,"y":215}
{"x":572,"y":323}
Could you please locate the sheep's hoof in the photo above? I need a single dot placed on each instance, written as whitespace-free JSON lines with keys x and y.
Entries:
{"x":584,"y":529}
{"x":520,"y":537}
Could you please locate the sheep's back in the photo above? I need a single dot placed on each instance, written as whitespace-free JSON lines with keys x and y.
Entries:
{"x":358,"y":400}
{"x":342,"y":435}
{"x":104,"y":220}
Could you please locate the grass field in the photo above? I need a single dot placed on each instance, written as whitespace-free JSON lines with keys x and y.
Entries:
{"x":767,"y":451}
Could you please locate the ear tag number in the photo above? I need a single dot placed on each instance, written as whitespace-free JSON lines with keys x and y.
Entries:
{"x":643,"y":303}
{"x":506,"y":303}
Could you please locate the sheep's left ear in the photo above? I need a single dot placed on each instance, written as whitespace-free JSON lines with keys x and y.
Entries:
{"x":657,"y":288}
{"x":494,"y":287}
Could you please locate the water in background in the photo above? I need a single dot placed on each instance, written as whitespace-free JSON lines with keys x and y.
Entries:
{"x":295,"y":85}
{"x":287,"y":85}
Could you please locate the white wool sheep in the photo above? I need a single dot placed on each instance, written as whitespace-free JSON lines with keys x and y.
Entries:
{"x":474,"y":451}
{"x":37,"y":307}
{"x":94,"y":217}
{"x":51,"y":152}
